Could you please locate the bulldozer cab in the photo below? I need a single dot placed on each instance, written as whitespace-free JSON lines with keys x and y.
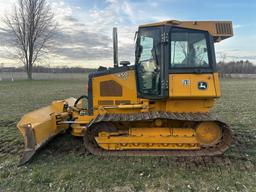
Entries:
{"x":174,"y":48}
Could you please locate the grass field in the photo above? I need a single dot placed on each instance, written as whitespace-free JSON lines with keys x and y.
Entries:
{"x":64,"y":165}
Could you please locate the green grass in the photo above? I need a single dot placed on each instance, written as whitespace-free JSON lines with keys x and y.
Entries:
{"x":63,"y":165}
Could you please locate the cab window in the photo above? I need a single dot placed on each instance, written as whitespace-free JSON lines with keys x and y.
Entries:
{"x":189,"y":50}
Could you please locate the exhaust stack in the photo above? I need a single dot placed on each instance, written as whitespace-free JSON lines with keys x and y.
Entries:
{"x":115,"y":47}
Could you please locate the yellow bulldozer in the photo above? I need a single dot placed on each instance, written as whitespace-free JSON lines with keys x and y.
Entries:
{"x":157,"y":107}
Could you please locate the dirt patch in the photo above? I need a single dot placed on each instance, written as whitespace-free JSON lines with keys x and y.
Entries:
{"x":10,"y":148}
{"x":242,"y":142}
{"x":10,"y":142}
{"x":208,"y":162}
{"x":8,"y":123}
{"x":64,"y":144}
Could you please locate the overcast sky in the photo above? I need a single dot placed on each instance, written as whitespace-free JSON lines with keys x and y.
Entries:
{"x":85,"y":26}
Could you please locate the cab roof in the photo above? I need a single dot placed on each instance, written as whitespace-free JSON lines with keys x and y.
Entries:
{"x":220,"y":30}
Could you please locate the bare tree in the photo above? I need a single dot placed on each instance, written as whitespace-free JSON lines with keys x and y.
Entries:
{"x":32,"y":25}
{"x":223,"y":57}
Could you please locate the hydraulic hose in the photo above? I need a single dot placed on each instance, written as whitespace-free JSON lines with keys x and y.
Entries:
{"x":81,"y":97}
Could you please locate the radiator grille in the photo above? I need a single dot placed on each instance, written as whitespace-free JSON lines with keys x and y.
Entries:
{"x":224,"y":28}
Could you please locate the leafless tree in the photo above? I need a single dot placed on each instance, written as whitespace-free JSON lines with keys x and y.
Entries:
{"x":32,"y":26}
{"x":223,"y":57}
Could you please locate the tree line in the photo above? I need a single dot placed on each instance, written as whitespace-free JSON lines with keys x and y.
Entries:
{"x":241,"y":67}
{"x":238,"y":67}
{"x":42,"y":69}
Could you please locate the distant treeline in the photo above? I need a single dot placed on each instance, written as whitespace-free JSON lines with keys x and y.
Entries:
{"x":241,"y":67}
{"x":41,"y":69}
{"x":233,"y":67}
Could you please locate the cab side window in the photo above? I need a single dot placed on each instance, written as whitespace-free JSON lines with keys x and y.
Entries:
{"x":189,"y":50}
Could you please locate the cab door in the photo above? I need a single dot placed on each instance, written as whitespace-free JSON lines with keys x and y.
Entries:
{"x":149,"y":65}
{"x":192,"y":64}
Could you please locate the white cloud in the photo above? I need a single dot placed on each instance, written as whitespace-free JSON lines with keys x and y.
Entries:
{"x":85,"y":35}
{"x":237,"y":26}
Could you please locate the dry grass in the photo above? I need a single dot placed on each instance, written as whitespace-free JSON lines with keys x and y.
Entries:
{"x":64,"y":166}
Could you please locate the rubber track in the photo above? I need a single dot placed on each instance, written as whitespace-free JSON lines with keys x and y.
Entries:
{"x":98,"y":124}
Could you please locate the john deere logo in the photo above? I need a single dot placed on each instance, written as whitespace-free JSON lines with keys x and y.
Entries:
{"x":202,"y":85}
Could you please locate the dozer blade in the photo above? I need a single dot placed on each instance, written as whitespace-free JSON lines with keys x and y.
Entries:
{"x":40,"y":126}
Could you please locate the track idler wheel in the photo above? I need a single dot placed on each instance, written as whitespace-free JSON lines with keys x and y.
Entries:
{"x":208,"y":133}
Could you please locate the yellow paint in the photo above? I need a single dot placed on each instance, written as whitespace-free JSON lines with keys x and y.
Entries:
{"x":186,"y":85}
{"x":127,"y":82}
{"x":43,"y":121}
{"x":79,"y":127}
{"x":208,"y":133}
{"x":147,"y":138}
{"x":150,"y":132}
{"x":217,"y":84}
{"x":183,"y":97}
{"x":210,"y":26}
{"x":183,"y":132}
{"x":149,"y":146}
{"x":189,"y":105}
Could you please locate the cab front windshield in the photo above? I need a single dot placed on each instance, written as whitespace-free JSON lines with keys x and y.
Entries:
{"x":188,"y":49}
{"x":148,"y":61}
